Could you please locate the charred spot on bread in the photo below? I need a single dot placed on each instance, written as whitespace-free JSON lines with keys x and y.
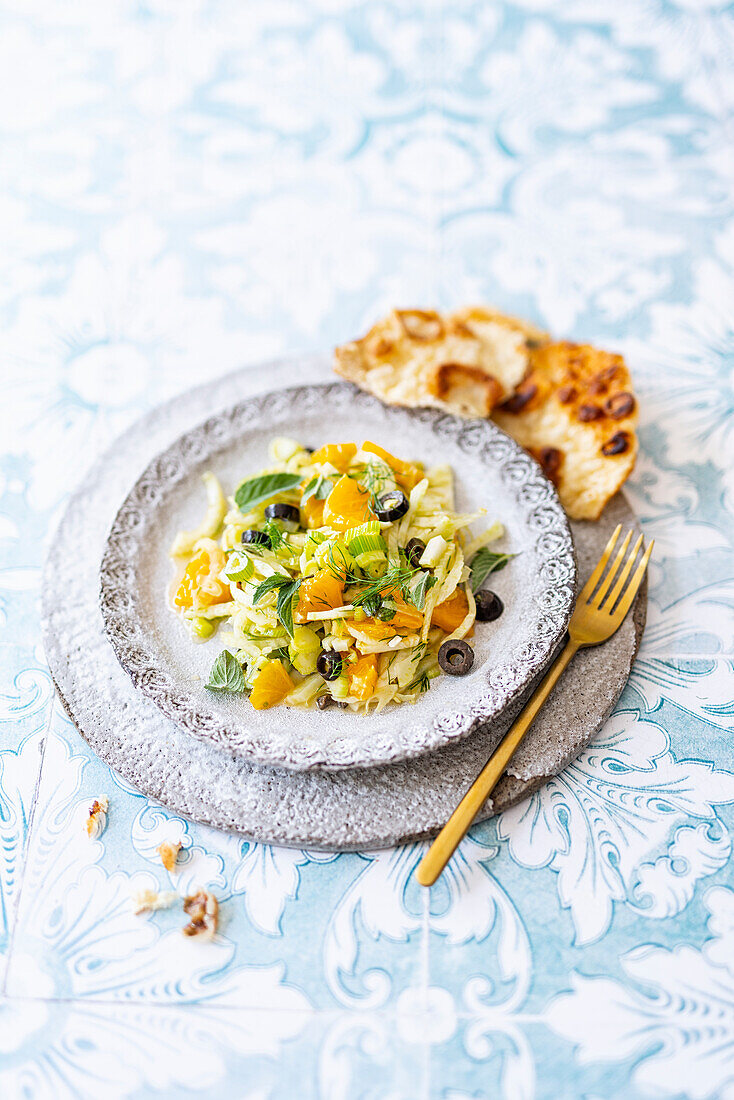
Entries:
{"x":617,"y":444}
{"x":586,"y":413}
{"x":453,"y":378}
{"x":424,"y":325}
{"x":550,"y":460}
{"x":522,"y":396}
{"x":619,"y":405}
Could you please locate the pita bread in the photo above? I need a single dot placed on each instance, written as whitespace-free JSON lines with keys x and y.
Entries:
{"x":576,"y":413}
{"x":570,"y":405}
{"x":466,"y":362}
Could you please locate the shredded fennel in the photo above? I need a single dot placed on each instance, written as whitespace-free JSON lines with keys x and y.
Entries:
{"x":308,"y":620}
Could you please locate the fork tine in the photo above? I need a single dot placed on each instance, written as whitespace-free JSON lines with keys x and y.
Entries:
{"x":598,"y":599}
{"x":631,"y":591}
{"x":594,"y":578}
{"x":631,"y":558}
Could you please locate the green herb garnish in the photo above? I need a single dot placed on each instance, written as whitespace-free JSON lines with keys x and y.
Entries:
{"x":318,"y":487}
{"x":258,"y":489}
{"x":278,"y":540}
{"x":286,"y":592}
{"x":420,"y":684}
{"x":372,"y":477}
{"x":396,"y":576}
{"x":420,"y":590}
{"x":226,"y":674}
{"x":276,"y":581}
{"x":372,"y":605}
{"x":485,"y":562}
{"x":286,"y":597}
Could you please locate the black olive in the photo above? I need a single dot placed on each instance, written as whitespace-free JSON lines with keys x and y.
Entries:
{"x":414,"y":552}
{"x":456,"y":657}
{"x":288,"y":514}
{"x":259,"y":538}
{"x":392,"y":506}
{"x":489,"y":606}
{"x":372,"y":605}
{"x":329,"y":665}
{"x":325,"y":701}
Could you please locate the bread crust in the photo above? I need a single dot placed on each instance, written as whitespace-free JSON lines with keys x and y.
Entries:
{"x":467,"y":361}
{"x":571,"y":405}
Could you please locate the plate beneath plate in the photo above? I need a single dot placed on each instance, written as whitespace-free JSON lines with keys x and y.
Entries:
{"x":491,"y":471}
{"x":345,"y":810}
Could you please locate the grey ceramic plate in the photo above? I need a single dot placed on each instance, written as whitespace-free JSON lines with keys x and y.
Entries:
{"x":362,"y":808}
{"x":491,"y":471}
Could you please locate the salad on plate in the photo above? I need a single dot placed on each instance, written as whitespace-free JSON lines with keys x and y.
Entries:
{"x":337,"y":577}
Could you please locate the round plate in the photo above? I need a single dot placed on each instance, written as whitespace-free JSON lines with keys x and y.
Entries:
{"x":491,"y":471}
{"x":364,"y":808}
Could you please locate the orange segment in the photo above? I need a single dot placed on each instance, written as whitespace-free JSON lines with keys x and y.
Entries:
{"x":313,"y":511}
{"x":270,"y":686}
{"x":363,"y":677}
{"x":319,"y":593}
{"x":212,"y":591}
{"x":199,"y":584}
{"x":407,"y":474}
{"x":338,"y":454}
{"x":368,"y":628}
{"x":452,"y":612}
{"x":406,"y":617}
{"x":347,"y":505}
{"x":194,"y":571}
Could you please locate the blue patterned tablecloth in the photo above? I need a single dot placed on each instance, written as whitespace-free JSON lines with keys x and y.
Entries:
{"x":186,"y":185}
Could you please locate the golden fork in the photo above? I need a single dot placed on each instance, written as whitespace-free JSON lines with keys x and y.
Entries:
{"x":595,"y":618}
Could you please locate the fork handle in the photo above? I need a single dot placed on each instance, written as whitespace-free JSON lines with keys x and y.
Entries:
{"x":458,"y":824}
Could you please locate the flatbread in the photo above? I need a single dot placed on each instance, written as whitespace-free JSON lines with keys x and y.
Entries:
{"x":466,"y":362}
{"x":576,"y":414}
{"x":572,"y":406}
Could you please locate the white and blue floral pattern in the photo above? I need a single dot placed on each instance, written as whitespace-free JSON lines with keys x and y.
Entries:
{"x":187,"y":185}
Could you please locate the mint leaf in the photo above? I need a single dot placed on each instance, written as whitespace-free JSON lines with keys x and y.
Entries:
{"x":420,"y":590}
{"x":286,"y":592}
{"x":318,"y":487}
{"x":485,"y":562}
{"x":270,"y":583}
{"x":258,"y":489}
{"x":286,"y":596}
{"x":226,"y":674}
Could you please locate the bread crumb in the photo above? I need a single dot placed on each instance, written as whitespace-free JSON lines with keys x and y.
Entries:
{"x":203,"y":908}
{"x":147,"y":901}
{"x":168,"y":851}
{"x":97,"y":817}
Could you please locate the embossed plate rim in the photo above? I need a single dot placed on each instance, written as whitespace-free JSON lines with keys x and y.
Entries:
{"x":248,"y":737}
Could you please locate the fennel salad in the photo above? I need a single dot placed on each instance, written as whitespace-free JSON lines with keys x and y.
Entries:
{"x":336,"y":577}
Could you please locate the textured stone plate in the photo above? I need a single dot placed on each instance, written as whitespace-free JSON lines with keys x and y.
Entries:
{"x":343,"y":810}
{"x":491,"y":472}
